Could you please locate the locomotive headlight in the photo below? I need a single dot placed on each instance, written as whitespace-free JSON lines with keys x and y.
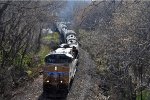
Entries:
{"x":47,"y":81}
{"x":55,"y":67}
{"x":61,"y":81}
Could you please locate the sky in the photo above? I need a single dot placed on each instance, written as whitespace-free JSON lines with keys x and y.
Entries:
{"x":67,"y":11}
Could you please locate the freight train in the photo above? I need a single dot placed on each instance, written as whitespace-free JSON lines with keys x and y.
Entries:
{"x":61,"y":64}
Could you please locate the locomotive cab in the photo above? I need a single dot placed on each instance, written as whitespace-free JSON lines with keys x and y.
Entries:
{"x":59,"y":70}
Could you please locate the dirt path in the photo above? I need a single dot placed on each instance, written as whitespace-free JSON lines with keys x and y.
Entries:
{"x":84,"y":86}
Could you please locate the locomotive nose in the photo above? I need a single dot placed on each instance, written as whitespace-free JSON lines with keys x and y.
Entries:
{"x":55,"y":75}
{"x":55,"y":78}
{"x":55,"y":81}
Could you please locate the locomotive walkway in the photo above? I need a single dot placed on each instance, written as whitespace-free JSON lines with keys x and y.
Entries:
{"x":83,"y":88}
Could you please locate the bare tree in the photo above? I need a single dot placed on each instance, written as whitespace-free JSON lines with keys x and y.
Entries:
{"x":119,"y":42}
{"x":21,"y":23}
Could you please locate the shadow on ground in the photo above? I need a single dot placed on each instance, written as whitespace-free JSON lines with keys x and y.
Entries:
{"x":49,"y":96}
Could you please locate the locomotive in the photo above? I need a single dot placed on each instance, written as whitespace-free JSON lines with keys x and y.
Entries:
{"x":60,"y":65}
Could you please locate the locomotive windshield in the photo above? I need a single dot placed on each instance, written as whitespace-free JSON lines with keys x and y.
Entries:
{"x":57,"y":58}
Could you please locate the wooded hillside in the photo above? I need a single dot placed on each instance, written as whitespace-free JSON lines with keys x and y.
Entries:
{"x":21,"y":24}
{"x":117,"y":36}
{"x":115,"y":33}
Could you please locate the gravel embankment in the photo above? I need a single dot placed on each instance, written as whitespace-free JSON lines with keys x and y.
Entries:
{"x":84,"y":86}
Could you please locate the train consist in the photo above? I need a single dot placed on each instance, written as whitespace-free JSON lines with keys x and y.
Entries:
{"x":60,"y":65}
